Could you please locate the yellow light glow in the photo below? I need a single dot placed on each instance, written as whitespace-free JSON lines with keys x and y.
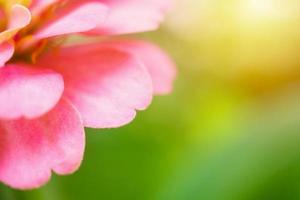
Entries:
{"x":272,"y":9}
{"x":260,"y":9}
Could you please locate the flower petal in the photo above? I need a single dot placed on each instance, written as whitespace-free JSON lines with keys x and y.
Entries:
{"x":161,"y":68}
{"x":106,"y":85}
{"x":74,"y":18}
{"x":130,"y":16}
{"x":6,"y":52}
{"x":20,"y":17}
{"x":26,"y":92}
{"x":30,"y":149}
{"x":38,"y":6}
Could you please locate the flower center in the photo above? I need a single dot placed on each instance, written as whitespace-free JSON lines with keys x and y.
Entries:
{"x":7,"y":4}
{"x":28,"y":48}
{"x":2,"y":20}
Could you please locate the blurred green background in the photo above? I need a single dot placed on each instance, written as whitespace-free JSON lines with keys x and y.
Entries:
{"x":229,"y":131}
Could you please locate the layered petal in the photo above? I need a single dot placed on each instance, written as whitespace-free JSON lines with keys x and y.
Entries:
{"x":28,"y":92}
{"x":105,"y":84}
{"x":6,"y":52}
{"x":75,"y":17}
{"x":19,"y":17}
{"x":161,"y":68}
{"x":30,"y":149}
{"x":130,"y":16}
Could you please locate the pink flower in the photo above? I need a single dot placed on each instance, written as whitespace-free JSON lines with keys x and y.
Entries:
{"x":49,"y":92}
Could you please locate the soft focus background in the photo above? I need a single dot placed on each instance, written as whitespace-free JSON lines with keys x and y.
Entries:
{"x":229,"y":131}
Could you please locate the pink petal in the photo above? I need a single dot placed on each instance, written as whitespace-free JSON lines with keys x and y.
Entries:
{"x":30,"y":149}
{"x":130,"y":16}
{"x":106,"y":85}
{"x":2,"y":14}
{"x":6,"y":52}
{"x":28,"y":92}
{"x":75,"y":18}
{"x":20,"y":17}
{"x":161,"y":68}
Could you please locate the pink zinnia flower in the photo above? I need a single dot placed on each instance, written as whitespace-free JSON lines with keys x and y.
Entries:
{"x":50,"y":92}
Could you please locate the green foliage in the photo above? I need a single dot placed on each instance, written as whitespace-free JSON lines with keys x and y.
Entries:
{"x":208,"y":140}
